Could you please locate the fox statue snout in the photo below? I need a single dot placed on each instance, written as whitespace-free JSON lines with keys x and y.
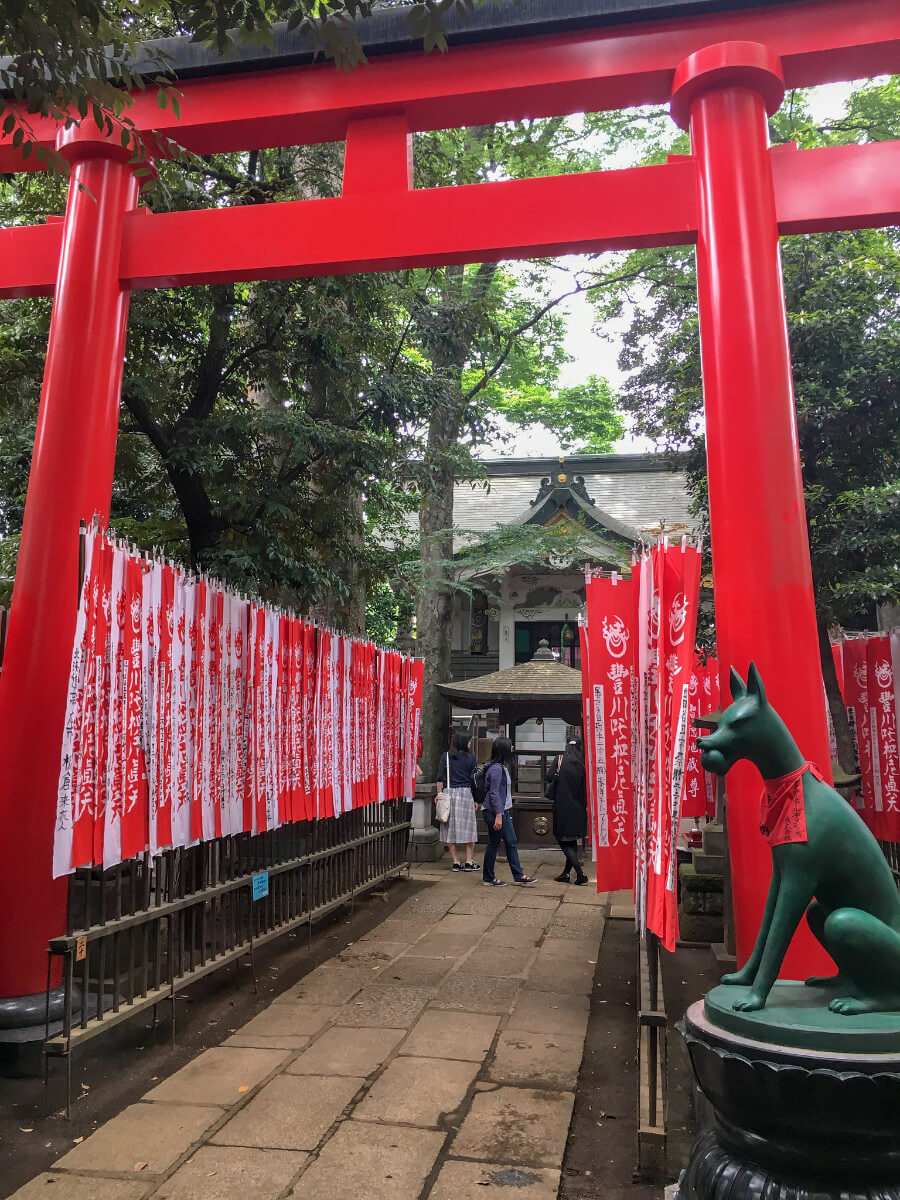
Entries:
{"x":737,"y":729}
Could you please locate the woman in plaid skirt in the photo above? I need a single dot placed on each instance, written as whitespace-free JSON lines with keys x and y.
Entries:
{"x":455,"y":772}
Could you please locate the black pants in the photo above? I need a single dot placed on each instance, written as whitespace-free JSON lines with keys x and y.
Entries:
{"x":569,"y":848}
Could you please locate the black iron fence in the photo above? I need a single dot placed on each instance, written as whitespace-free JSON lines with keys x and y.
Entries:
{"x":140,"y":932}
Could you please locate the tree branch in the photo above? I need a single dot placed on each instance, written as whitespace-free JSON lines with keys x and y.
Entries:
{"x":152,"y":430}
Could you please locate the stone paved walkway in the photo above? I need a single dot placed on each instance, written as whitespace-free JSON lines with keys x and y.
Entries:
{"x":435,"y":1057}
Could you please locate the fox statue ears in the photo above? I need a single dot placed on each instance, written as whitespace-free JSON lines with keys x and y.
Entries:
{"x":753,"y":686}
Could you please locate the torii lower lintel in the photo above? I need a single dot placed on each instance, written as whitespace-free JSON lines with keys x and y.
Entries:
{"x":838,"y":187}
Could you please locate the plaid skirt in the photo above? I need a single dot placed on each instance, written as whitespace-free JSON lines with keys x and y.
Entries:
{"x":461,"y":828}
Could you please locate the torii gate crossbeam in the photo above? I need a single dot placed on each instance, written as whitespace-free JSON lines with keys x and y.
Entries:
{"x":732,"y":197}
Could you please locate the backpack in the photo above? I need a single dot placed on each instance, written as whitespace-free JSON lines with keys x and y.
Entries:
{"x":479,"y":784}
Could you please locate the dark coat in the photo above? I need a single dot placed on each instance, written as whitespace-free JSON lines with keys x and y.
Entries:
{"x":570,"y":820}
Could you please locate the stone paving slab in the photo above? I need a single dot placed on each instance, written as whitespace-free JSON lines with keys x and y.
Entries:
{"x":299,"y":1019}
{"x":484,"y":900}
{"x":393,"y":930}
{"x":451,"y":1035}
{"x":587,"y":922}
{"x":218,"y":1075}
{"x":460,"y":1180}
{"x":584,"y":895}
{"x":371,"y":954}
{"x":232,"y":1173}
{"x":468,"y":926}
{"x":392,"y":1007}
{"x":292,"y":1112}
{"x":512,"y":935}
{"x":417,"y":1091}
{"x":550,"y":1012}
{"x":157,"y":1134}
{"x":501,"y":962}
{"x":53,"y":1186}
{"x":431,"y":904}
{"x":476,"y":993}
{"x":573,"y":976}
{"x":516,"y":1125}
{"x":331,"y":984}
{"x":582,"y":949}
{"x":415,"y":971}
{"x":530,"y":897}
{"x":375,"y":1162}
{"x":575,"y":929}
{"x":338,"y":1053}
{"x":264,"y":1041}
{"x":529,"y":918}
{"x":553,"y":1059}
{"x":449,"y":945}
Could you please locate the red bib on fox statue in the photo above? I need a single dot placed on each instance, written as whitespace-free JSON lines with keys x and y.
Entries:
{"x":782,"y":816}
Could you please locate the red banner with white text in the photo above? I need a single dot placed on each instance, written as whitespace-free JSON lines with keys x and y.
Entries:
{"x":608,"y":699}
{"x":193,"y":713}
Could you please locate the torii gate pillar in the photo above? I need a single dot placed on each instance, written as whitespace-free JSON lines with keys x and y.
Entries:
{"x":761,"y":566}
{"x":71,"y":480}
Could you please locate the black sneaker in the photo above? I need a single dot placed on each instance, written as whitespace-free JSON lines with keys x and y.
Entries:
{"x":472,"y":866}
{"x":493,"y":883}
{"x":456,"y":867}
{"x":582,"y":880}
{"x":564,"y":878}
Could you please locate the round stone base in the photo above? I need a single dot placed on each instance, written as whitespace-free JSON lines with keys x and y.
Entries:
{"x":799,"y":1017}
{"x":715,"y":1173}
{"x":813,"y":1119}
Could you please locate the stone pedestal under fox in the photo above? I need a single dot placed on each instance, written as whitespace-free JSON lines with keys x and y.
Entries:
{"x":825,"y":863}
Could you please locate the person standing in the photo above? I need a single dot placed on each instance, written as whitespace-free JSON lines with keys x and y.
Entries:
{"x":567,"y":784}
{"x":455,"y":772}
{"x":495,"y":809}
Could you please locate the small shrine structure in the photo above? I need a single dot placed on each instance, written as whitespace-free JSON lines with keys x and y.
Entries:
{"x":539,"y":690}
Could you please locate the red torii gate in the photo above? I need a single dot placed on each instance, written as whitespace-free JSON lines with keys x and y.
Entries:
{"x":732,"y":198}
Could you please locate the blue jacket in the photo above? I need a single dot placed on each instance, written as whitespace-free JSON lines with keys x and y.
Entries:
{"x":497,"y":793}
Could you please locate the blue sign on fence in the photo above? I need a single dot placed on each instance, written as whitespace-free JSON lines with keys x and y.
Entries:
{"x":259,"y":885}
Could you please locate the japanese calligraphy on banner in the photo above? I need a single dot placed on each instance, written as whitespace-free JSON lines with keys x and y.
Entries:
{"x":608,"y":670}
{"x":855,"y":676}
{"x":868,"y":674}
{"x":193,"y":713}
{"x":699,"y":792}
{"x":638,"y":659}
{"x":677,"y":569}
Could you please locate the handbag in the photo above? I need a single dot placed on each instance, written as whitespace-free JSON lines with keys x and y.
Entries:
{"x":442,"y":804}
{"x":551,"y":786}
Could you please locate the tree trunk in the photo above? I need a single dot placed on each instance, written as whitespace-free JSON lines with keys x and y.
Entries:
{"x":434,"y":611}
{"x":203,"y":527}
{"x":846,"y":751}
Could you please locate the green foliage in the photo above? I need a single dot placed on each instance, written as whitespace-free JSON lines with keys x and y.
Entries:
{"x":843,"y":301}
{"x":584,"y":416}
{"x":73,"y":60}
{"x":387,"y":614}
{"x":481,"y":559}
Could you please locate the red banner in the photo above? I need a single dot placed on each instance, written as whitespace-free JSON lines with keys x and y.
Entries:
{"x":608,"y":717}
{"x":678,"y":618}
{"x":883,"y":733}
{"x":856,"y":700}
{"x":414,"y":675}
{"x":192,"y":714}
{"x":710,"y":703}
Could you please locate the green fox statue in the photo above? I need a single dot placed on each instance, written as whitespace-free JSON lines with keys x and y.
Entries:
{"x":825,"y":863}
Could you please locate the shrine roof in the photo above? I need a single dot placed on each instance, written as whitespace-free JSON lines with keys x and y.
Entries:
{"x":387,"y":31}
{"x":543,"y":676}
{"x":629,"y":494}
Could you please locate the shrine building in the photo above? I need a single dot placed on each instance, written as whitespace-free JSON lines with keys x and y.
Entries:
{"x":609,"y":501}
